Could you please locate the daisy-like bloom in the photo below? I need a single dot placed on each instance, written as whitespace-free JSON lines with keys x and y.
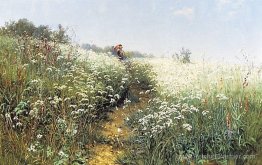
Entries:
{"x":34,"y":81}
{"x":117,"y":96}
{"x":49,"y":69}
{"x":32,"y":148}
{"x":112,"y":100}
{"x":188,"y":127}
{"x":62,"y":154}
{"x":222,"y":97}
{"x":193,"y":109}
{"x":205,"y":112}
{"x":39,"y":136}
{"x":34,"y":61}
{"x":90,"y":106}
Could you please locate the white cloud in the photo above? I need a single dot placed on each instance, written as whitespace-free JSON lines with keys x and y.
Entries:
{"x":230,"y":7}
{"x":186,"y":11}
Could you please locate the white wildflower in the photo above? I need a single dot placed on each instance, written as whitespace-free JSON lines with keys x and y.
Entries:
{"x":32,"y":148}
{"x":222,"y":97}
{"x":117,"y":96}
{"x":127,"y":101}
{"x":187,"y":127}
{"x":72,"y":106}
{"x":19,"y":124}
{"x":194,"y":109}
{"x":112,"y":100}
{"x":147,"y":91}
{"x":34,"y":81}
{"x":205,"y":112}
{"x":39,"y":136}
{"x":62,"y":154}
{"x":33,"y":61}
{"x":49,"y":69}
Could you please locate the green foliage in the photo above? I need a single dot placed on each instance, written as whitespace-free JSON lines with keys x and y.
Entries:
{"x":142,"y":75}
{"x":23,"y":27}
{"x":183,"y":55}
{"x":42,"y":31}
{"x":172,"y":131}
{"x":137,"y":54}
{"x":215,"y":120}
{"x":96,"y":49}
{"x":51,"y":101}
{"x":20,"y":27}
{"x":53,"y":96}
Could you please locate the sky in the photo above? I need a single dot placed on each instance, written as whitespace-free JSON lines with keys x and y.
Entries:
{"x":211,"y":29}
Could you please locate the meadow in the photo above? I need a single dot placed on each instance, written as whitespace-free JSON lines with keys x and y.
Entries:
{"x":54,"y":98}
{"x":202,"y":113}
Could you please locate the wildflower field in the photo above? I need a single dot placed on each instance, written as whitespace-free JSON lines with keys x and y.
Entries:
{"x":55,"y":99}
{"x":202,"y":113}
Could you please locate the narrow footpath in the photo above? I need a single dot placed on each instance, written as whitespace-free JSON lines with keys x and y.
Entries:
{"x":116,"y":132}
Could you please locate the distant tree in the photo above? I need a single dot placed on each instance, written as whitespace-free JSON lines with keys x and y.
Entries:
{"x":61,"y":35}
{"x":25,"y":27}
{"x":183,"y":55}
{"x":42,"y":31}
{"x":86,"y":46}
{"x":108,"y":49}
{"x":19,"y":28}
{"x":95,"y":48}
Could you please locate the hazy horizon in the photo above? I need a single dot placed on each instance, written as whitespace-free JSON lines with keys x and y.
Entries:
{"x":215,"y":29}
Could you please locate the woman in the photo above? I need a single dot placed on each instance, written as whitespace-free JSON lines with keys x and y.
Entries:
{"x":118,"y":50}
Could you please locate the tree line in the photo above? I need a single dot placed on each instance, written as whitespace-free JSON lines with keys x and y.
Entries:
{"x":109,"y":49}
{"x":24,"y":27}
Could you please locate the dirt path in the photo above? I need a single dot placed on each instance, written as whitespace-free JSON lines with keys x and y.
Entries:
{"x":116,"y":132}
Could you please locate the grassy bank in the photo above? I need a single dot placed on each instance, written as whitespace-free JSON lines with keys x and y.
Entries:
{"x":53,"y":97}
{"x":202,"y":113}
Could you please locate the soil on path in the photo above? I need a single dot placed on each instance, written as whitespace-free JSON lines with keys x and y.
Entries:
{"x":116,"y":132}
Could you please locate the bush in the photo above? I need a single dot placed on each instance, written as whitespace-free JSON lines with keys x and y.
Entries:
{"x":23,"y":27}
{"x":50,"y":99}
{"x":183,"y":55}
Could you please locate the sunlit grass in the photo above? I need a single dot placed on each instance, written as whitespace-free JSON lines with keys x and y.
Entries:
{"x":53,"y":98}
{"x":201,"y":109}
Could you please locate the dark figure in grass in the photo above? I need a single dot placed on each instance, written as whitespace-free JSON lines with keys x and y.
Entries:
{"x":118,"y":50}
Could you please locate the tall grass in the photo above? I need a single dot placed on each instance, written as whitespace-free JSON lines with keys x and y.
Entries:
{"x":52,"y":98}
{"x":201,"y":113}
